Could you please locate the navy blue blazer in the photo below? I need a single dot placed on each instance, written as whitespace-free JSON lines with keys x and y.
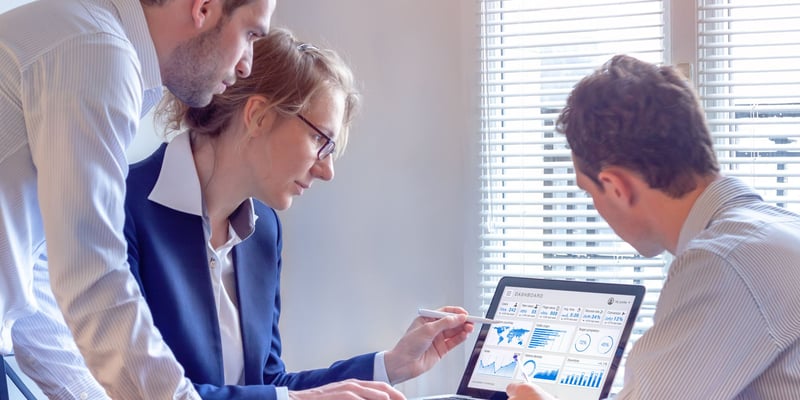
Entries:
{"x":167,"y":255}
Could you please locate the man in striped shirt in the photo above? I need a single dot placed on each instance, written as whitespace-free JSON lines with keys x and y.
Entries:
{"x":75,"y":78}
{"x":727,"y":323}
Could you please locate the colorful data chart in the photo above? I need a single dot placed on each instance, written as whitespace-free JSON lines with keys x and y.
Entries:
{"x":592,"y":379}
{"x":582,"y":372}
{"x":551,"y":337}
{"x":497,"y":363}
{"x":509,"y":335}
{"x":541,"y":367}
{"x":594,"y":341}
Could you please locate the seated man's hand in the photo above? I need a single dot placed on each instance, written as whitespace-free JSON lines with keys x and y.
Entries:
{"x":349,"y":389}
{"x":425,"y":343}
{"x":526,"y":391}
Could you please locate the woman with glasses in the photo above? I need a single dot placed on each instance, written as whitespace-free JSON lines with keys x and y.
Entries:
{"x":204,"y":240}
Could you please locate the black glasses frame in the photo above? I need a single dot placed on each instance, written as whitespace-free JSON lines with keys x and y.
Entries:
{"x":327,"y":148}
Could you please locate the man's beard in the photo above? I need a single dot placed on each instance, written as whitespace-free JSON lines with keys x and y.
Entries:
{"x":191,"y":73}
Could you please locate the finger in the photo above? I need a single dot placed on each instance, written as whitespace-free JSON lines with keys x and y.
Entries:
{"x":454,"y":310}
{"x":373,"y":390}
{"x":446,"y":346}
{"x":450,"y":322}
{"x":464,"y":329}
{"x":512,"y":388}
{"x":527,"y":391}
{"x":444,"y":343}
{"x":349,"y":389}
{"x":467,"y":328}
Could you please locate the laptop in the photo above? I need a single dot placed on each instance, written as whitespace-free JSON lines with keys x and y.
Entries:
{"x":568,"y":337}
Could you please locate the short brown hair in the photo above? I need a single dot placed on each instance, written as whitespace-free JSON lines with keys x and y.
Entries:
{"x":227,"y":8}
{"x":643,"y":117}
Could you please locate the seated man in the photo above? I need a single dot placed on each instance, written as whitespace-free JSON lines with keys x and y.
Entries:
{"x":727,"y":323}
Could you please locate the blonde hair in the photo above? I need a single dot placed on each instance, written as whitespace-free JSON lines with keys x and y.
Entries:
{"x":287,"y":72}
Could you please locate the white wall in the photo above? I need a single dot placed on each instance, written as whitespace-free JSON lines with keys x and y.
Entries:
{"x":392,"y":232}
{"x":397,"y":228}
{"x":6,"y":5}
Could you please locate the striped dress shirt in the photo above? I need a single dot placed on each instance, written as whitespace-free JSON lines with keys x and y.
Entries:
{"x":727,"y":323}
{"x":76,"y":76}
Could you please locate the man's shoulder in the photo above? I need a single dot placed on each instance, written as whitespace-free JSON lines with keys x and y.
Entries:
{"x":755,"y":220}
{"x":756,"y":226}
{"x":756,"y":241}
{"x":68,"y":36}
{"x":60,"y":21}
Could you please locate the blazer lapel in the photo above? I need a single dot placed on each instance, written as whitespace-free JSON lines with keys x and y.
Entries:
{"x":256,"y":284}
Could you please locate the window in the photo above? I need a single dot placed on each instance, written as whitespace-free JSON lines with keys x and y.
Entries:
{"x":744,"y":57}
{"x":749,"y":81}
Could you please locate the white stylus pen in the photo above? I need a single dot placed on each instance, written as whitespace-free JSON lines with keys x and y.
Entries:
{"x":441,"y":314}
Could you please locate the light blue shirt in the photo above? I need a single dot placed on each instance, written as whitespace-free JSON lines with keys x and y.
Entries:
{"x":76,"y":76}
{"x":727,"y":323}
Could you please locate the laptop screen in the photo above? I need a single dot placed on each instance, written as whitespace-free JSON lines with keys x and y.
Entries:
{"x":566,"y":336}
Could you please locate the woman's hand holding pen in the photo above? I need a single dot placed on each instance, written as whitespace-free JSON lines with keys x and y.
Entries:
{"x":425,"y":342}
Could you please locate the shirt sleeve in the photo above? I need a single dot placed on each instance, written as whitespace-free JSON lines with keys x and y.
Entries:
{"x":83,"y":109}
{"x":45,"y":351}
{"x":709,"y":339}
{"x":282,"y":393}
{"x":380,"y":373}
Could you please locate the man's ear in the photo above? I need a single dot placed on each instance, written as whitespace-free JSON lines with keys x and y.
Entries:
{"x":620,"y":185}
{"x":257,"y":115}
{"x":201,"y":12}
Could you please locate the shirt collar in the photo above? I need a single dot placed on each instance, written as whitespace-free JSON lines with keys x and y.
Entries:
{"x":135,"y":25}
{"x":718,"y":194}
{"x":178,"y":188}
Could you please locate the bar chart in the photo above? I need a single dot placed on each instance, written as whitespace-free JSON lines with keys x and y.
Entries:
{"x":550,"y":337}
{"x":583,"y":372}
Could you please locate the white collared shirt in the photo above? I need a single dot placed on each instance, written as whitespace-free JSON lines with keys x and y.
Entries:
{"x":223,"y":282}
{"x":76,"y":76}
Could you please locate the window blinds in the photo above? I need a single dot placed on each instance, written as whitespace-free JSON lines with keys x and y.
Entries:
{"x":534,"y":221}
{"x":749,"y":81}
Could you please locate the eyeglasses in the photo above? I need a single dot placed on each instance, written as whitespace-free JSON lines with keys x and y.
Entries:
{"x":326,"y":148}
